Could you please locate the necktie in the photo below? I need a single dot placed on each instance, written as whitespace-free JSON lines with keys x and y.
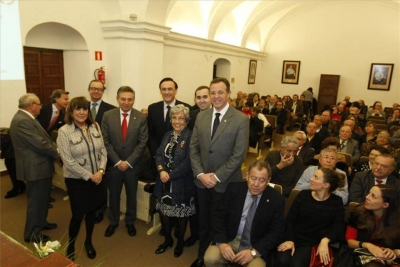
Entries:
{"x":294,"y":107}
{"x":341,"y":145}
{"x":378,"y":181}
{"x":167,"y":119}
{"x":53,"y":121}
{"x":124,"y":127}
{"x":93,"y":110}
{"x":245,"y":240}
{"x":215,"y":124}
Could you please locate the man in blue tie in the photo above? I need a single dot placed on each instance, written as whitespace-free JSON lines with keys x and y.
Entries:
{"x":251,"y":205}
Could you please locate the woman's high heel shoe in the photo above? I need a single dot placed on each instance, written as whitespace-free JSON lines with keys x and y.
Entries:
{"x":163,"y":247}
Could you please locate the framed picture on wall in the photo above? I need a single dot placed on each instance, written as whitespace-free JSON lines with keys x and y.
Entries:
{"x":290,"y":71}
{"x":252,"y":72}
{"x":380,"y":76}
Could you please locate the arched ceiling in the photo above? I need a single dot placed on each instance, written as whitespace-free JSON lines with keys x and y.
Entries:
{"x":241,"y":23}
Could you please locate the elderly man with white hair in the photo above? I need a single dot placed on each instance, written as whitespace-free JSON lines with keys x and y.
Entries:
{"x":347,"y":144}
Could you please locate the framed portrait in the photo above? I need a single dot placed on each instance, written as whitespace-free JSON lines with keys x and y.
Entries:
{"x":252,"y":72}
{"x":290,"y":71}
{"x":380,"y":76}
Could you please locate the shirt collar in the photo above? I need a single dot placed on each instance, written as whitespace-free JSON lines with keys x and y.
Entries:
{"x":222,"y":111}
{"x":173,"y":103}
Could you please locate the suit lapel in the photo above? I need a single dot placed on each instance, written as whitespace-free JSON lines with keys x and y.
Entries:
{"x":132,"y":121}
{"x":226,"y":119}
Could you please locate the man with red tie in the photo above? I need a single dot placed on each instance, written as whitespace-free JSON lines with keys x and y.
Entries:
{"x":125,"y":136}
{"x":380,"y":173}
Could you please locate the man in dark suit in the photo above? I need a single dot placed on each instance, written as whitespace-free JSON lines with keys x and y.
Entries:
{"x":323,"y":132}
{"x":313,"y":139}
{"x":52,"y":115}
{"x":125,"y":137}
{"x":156,"y":120}
{"x":217,"y":149}
{"x":239,"y":100}
{"x":306,"y":153}
{"x":296,"y":108}
{"x":35,"y":152}
{"x":261,"y":105}
{"x":97,"y":108}
{"x":347,"y":144}
{"x":380,"y":173}
{"x":281,"y":116}
{"x":249,"y":223}
{"x":327,"y":123}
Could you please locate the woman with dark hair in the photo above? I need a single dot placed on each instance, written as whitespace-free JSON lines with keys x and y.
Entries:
{"x":254,"y":101}
{"x":375,"y":226}
{"x":369,"y":135}
{"x":332,"y":143}
{"x":376,"y":110}
{"x":84,"y":155}
{"x":335,"y":114}
{"x":326,"y":226}
{"x":175,"y":189}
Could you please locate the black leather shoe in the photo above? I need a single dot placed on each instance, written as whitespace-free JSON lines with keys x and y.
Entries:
{"x":50,"y":226}
{"x":38,"y":238}
{"x":50,"y":206}
{"x":178,"y":250}
{"x":198,"y":263}
{"x":131,"y":230}
{"x":91,"y":252}
{"x":11,"y":194}
{"x":191,"y":241}
{"x":163,"y":247}
{"x":51,"y":199}
{"x":71,"y":253}
{"x":99,"y":218}
{"x":110,"y":230}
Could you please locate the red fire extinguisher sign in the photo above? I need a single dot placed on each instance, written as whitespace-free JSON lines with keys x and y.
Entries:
{"x":98,"y":55}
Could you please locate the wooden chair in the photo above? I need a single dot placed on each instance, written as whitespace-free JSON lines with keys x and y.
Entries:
{"x":349,"y":158}
{"x":290,"y":200}
{"x":393,"y":129}
{"x":277,"y":187}
{"x":381,"y":127}
{"x":396,"y":144}
{"x":364,"y":159}
{"x":388,"y":111}
{"x":377,"y":119}
{"x":273,"y":121}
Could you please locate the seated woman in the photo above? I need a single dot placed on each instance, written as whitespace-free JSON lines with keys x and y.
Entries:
{"x":375,"y":226}
{"x":369,"y":135}
{"x":376,"y":110}
{"x":175,"y":189}
{"x":332,"y":143}
{"x":335,"y":114}
{"x":382,"y":139}
{"x":326,"y":226}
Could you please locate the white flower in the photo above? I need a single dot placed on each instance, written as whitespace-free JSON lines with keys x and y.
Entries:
{"x":49,"y":248}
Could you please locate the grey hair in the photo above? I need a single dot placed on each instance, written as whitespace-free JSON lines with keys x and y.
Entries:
{"x":178,"y":108}
{"x":290,"y":140}
{"x":25,"y":100}
{"x":388,"y":156}
{"x":259,"y":165}
{"x":57,"y":94}
{"x":385,"y":133}
{"x":303,"y":134}
{"x":325,"y":150}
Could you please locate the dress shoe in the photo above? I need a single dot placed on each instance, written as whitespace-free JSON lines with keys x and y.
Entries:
{"x":163,"y":247}
{"x":11,"y":194}
{"x":71,"y":253}
{"x":37,"y":238}
{"x":110,"y":230}
{"x":99,"y":218}
{"x":51,"y":199}
{"x":178,"y":250}
{"x":91,"y":252}
{"x":198,"y":263}
{"x":131,"y":230}
{"x":50,"y":206}
{"x":191,"y":241}
{"x":50,"y":226}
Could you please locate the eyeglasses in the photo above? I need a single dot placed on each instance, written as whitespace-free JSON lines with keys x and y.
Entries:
{"x":96,"y":89}
{"x":39,"y":104}
{"x":260,"y":180}
{"x":174,"y":118}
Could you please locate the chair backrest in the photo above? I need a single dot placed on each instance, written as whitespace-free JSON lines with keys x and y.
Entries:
{"x":271,"y":119}
{"x":396,"y":144}
{"x":349,"y":158}
{"x":381,"y":127}
{"x":290,"y":200}
{"x":388,"y":111}
{"x":277,"y":187}
{"x":349,"y":209}
{"x":376,"y":119}
{"x":364,"y":159}
{"x":393,"y":129}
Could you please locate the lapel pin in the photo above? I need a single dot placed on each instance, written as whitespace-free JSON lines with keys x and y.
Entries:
{"x":224,"y":120}
{"x":267,"y":200}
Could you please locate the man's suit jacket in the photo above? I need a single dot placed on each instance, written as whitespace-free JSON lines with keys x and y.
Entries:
{"x":299,"y":108}
{"x":223,"y":154}
{"x":264,"y":111}
{"x":324,"y":133}
{"x":34,"y":149}
{"x":45,"y":118}
{"x":307,"y":155}
{"x":330,"y":126}
{"x":193,"y":117}
{"x":267,"y":230}
{"x":315,"y":143}
{"x":136,"y":138}
{"x":364,"y":181}
{"x":104,"y":106}
{"x":157,"y":126}
{"x":352,"y":149}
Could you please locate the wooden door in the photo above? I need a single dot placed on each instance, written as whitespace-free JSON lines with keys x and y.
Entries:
{"x":328,"y":90}
{"x":44,"y":72}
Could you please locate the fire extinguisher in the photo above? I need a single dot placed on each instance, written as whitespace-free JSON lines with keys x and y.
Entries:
{"x":101,"y":74}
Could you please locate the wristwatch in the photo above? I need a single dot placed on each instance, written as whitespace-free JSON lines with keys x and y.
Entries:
{"x":102,"y":171}
{"x":253,"y":252}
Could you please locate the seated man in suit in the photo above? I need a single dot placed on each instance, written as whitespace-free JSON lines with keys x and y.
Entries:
{"x":380,"y":173}
{"x":239,"y":100}
{"x":263,"y":109}
{"x":306,"y":153}
{"x":249,"y":222}
{"x":327,"y":122}
{"x":296,"y":109}
{"x":281,"y":117}
{"x":327,"y":159}
{"x":347,"y":144}
{"x":313,"y":139}
{"x":323,"y":132}
{"x":286,"y":166}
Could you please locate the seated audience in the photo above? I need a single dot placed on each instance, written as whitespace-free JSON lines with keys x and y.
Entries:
{"x":238,"y":237}
{"x":246,"y":109}
{"x":335,"y":116}
{"x":281,"y":116}
{"x":395,"y":136}
{"x":286,"y":166}
{"x":272,"y":104}
{"x":306,"y":106}
{"x":304,"y":152}
{"x":263,"y":109}
{"x":326,"y":226}
{"x":380,"y":173}
{"x":376,"y":110}
{"x":323,"y":132}
{"x":342,"y":111}
{"x":328,"y":159}
{"x":356,"y":131}
{"x":332,"y":143}
{"x":363,"y":112}
{"x":382,"y":139}
{"x":375,"y":226}
{"x":256,"y":133}
{"x":369,"y":135}
{"x":313,"y":139}
{"x":327,"y":123}
{"x":296,"y":111}
{"x":254,"y":101}
{"x":347,"y":144}
{"x":395,"y":116}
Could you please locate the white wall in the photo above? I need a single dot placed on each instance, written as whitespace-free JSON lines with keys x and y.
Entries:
{"x":339,"y":38}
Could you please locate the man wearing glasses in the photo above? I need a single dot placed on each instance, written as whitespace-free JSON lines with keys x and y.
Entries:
{"x":286,"y":166}
{"x":35,"y":152}
{"x":97,"y":109}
